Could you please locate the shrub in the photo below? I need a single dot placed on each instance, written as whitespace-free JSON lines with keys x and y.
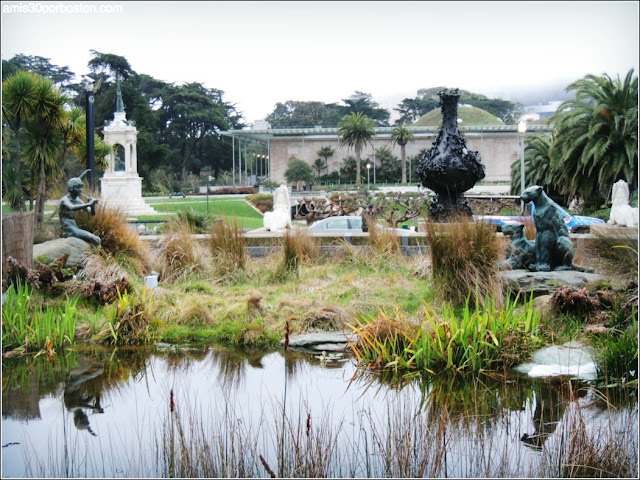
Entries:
{"x":198,"y":222}
{"x":464,"y":258}
{"x":262,"y":201}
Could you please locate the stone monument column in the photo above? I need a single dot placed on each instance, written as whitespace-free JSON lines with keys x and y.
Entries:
{"x":121,"y":186}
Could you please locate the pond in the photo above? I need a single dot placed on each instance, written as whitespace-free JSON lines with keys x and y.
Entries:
{"x":210,"y":411}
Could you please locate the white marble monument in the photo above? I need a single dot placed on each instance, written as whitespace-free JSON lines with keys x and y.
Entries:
{"x":121,"y":187}
{"x":280,"y":218}
{"x":622,"y":213}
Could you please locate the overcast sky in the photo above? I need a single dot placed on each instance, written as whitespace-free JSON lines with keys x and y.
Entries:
{"x":260,"y":53}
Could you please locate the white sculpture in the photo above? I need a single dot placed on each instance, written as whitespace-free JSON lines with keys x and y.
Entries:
{"x":280,"y":218}
{"x":621,"y":212}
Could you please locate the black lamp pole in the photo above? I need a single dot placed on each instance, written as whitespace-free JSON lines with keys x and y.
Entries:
{"x":90,"y":139}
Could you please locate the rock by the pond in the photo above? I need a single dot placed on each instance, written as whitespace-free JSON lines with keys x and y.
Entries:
{"x":544,"y":283}
{"x":77,"y":249}
{"x":319,"y":342}
{"x":572,"y":359}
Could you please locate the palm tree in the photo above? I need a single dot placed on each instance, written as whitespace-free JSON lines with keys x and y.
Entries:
{"x":44,"y":132}
{"x":73,"y":129}
{"x":18,"y":98}
{"x":401,"y":135}
{"x":596,"y":140}
{"x":355,"y":130}
{"x":318,"y":164}
{"x":537,"y":164}
{"x":325,"y":153}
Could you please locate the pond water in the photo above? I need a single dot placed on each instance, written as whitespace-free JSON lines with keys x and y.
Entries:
{"x":210,"y":411}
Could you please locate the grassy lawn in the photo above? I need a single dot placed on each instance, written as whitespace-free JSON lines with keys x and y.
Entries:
{"x":229,"y":208}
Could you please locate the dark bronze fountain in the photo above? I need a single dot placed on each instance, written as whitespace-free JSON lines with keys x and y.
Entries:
{"x":449,"y":168}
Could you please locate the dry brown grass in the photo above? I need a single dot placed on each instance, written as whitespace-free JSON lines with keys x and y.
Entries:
{"x":118,"y":238}
{"x":384,"y":242}
{"x":464,"y":256}
{"x":180,"y":255}
{"x":329,"y":317}
{"x":227,"y":245}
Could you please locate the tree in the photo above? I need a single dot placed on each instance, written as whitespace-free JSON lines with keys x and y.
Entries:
{"x":537,"y":165}
{"x":18,"y":103}
{"x":298,"y":171}
{"x":355,"y":130}
{"x":318,"y":164}
{"x":296,"y":114}
{"x":44,"y":130}
{"x":401,"y":136}
{"x":60,"y":76}
{"x":363,"y":103}
{"x":596,"y":140}
{"x":325,"y":153}
{"x":387,"y":165}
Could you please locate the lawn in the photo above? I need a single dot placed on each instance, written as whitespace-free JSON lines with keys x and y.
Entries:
{"x":229,"y":208}
{"x":226,"y":207}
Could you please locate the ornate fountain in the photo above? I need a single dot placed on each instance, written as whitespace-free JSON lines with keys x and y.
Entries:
{"x":449,"y":168}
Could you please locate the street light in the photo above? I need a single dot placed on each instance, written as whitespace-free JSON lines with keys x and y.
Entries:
{"x":209,"y":178}
{"x":88,"y":86}
{"x":522,"y":128}
{"x":368,"y":176}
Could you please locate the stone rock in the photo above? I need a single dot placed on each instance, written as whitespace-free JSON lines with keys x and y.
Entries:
{"x":544,"y":283}
{"x":78,"y":250}
{"x":572,"y":359}
{"x":543,"y":305}
{"x":320,"y":341}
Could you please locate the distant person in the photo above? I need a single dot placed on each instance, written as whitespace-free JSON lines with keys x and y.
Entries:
{"x":369,"y":217}
{"x":69,"y":204}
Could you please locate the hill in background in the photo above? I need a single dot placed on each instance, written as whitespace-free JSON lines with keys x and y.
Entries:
{"x":468,"y":114}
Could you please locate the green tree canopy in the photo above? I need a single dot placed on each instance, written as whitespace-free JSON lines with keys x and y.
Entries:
{"x":355,"y":130}
{"x":298,"y":171}
{"x":596,"y":136}
{"x":401,"y":135}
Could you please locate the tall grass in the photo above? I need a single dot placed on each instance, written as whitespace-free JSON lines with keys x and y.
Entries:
{"x":118,"y":239}
{"x":179,"y":254}
{"x":487,"y":337}
{"x":298,"y":246}
{"x":384,"y":241}
{"x":199,"y":222}
{"x":464,"y":259}
{"x":227,"y":245}
{"x":28,"y":327}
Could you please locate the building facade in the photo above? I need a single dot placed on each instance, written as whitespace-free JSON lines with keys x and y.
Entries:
{"x":498,"y":147}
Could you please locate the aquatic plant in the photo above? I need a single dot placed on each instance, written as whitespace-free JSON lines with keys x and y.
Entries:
{"x":28,"y":327}
{"x":483,"y":337}
{"x":131,"y":322}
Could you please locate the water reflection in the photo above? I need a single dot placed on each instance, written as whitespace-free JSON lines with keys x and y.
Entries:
{"x":458,"y":423}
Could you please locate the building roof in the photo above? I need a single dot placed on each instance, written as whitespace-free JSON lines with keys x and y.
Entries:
{"x":271,"y":133}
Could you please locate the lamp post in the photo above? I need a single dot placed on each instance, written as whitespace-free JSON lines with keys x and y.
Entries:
{"x":368,"y":176}
{"x":522,"y":128}
{"x":209,"y":178}
{"x":88,"y":86}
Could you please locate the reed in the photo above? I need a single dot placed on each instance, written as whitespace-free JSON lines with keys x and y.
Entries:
{"x":227,"y":245}
{"x":487,"y":337}
{"x":298,"y":247}
{"x":464,"y":260}
{"x":179,"y":255}
{"x":27,"y":327}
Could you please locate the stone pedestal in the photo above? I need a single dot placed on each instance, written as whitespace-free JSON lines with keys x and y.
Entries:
{"x":613,"y":230}
{"x":544,"y":283}
{"x":121,"y":187}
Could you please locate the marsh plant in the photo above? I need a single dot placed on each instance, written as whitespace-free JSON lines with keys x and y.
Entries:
{"x":464,"y":258}
{"x":180,"y":255}
{"x":485,"y":337}
{"x":130,"y":322}
{"x":384,"y":241}
{"x":28,"y":327}
{"x":227,"y":245}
